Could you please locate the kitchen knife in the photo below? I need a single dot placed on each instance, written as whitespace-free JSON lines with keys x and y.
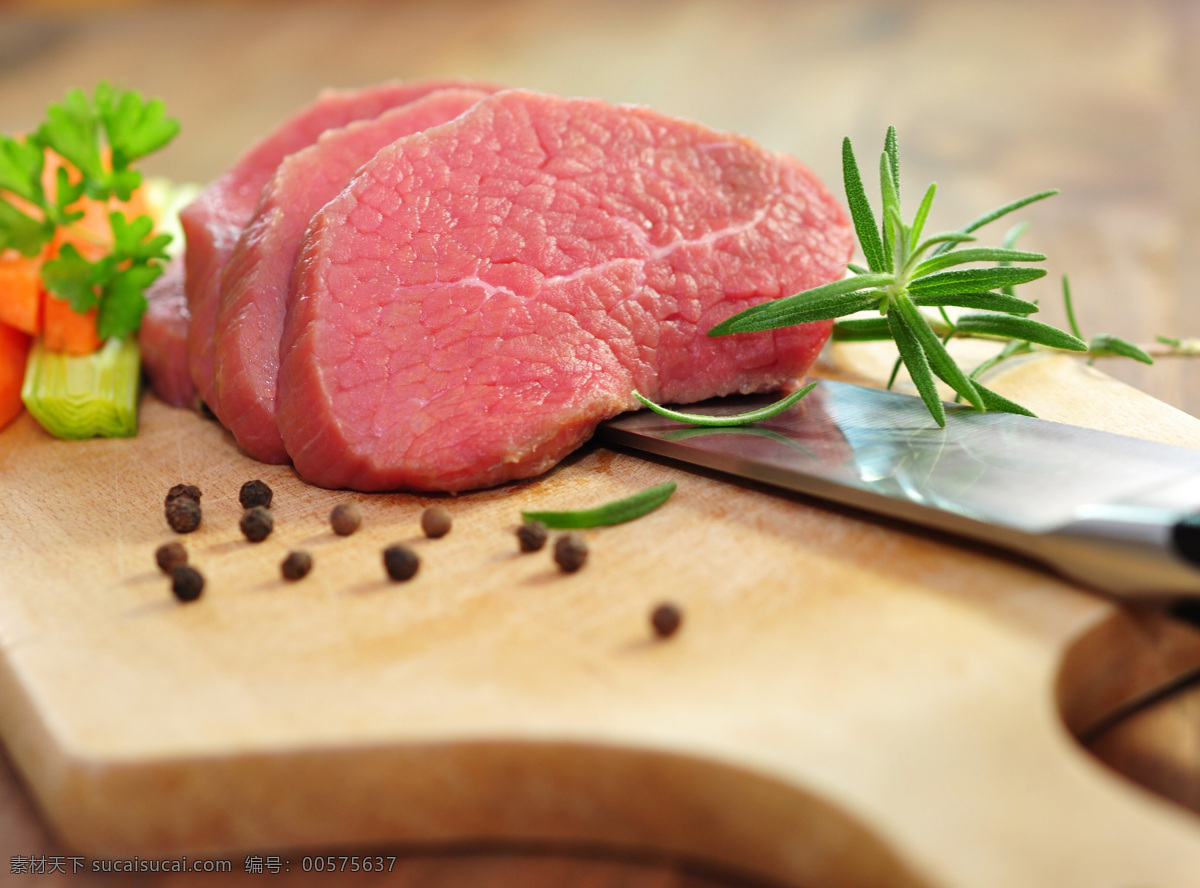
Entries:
{"x":1119,"y":514}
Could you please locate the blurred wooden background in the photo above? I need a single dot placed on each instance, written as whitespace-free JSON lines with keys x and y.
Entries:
{"x":1099,"y":98}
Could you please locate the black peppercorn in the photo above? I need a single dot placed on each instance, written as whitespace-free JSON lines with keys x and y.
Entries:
{"x":183,"y":514}
{"x":666,"y":619}
{"x":257,"y":524}
{"x":170,"y":555}
{"x":570,"y":552}
{"x":186,"y":582}
{"x":532,"y":535}
{"x":255,"y":493}
{"x":401,"y":562}
{"x":435,"y":522}
{"x":297,"y":565}
{"x":345,"y":519}
{"x":191,"y":491}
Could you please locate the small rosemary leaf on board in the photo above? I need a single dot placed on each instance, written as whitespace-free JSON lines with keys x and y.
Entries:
{"x":987,"y":301}
{"x":737,"y":419}
{"x":1013,"y":327}
{"x":975,"y":254}
{"x":918,"y":366}
{"x":860,"y":210}
{"x":820,"y":303}
{"x":973,"y":280}
{"x":1104,"y":346}
{"x":616,"y":512}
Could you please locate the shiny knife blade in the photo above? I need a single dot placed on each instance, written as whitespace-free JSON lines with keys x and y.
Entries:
{"x":1119,"y":514}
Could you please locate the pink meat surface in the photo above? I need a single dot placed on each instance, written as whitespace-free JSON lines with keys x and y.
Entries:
{"x":483,"y":294}
{"x":257,"y":278}
{"x":214,"y":221}
{"x":163,"y":337}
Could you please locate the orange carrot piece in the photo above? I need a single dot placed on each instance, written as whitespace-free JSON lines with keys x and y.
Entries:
{"x":66,"y":330}
{"x":20,"y":291}
{"x":14,"y":348}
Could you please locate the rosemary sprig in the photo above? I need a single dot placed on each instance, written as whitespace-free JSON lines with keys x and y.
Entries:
{"x":907,"y":271}
{"x":616,"y":512}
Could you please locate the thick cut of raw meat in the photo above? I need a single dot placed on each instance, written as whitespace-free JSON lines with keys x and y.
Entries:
{"x":484,"y":293}
{"x":256,"y":280}
{"x":213,"y":222}
{"x":163,"y":337}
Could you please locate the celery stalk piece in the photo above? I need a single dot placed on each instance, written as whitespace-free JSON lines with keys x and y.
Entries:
{"x":82,"y":396}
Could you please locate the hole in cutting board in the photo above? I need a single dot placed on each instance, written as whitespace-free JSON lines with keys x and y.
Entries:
{"x":1129,"y":692}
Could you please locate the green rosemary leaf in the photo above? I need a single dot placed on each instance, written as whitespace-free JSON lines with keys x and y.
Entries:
{"x":975,"y":254}
{"x":1013,"y":327}
{"x":892,"y":152}
{"x":616,"y":512}
{"x":1071,"y":322}
{"x":1001,"y":404}
{"x":892,"y":222}
{"x":857,"y":269}
{"x":973,"y":280}
{"x":860,"y":210}
{"x":939,"y":359}
{"x":986,"y":301}
{"x":1012,"y":347}
{"x":918,"y":225}
{"x":942,"y":238}
{"x":1002,"y":211}
{"x":918,"y":366}
{"x":1169,"y":340}
{"x":862,"y":330}
{"x":1106,"y":346}
{"x":820,"y":303}
{"x":736,"y":419}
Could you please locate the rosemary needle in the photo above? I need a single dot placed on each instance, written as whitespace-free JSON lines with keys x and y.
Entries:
{"x":615,"y":512}
{"x":736,"y":419}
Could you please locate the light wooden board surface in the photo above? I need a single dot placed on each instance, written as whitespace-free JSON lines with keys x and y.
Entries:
{"x":847,"y":703}
{"x":1098,"y":98}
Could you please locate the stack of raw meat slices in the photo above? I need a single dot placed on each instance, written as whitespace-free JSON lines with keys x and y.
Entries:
{"x":444,"y":285}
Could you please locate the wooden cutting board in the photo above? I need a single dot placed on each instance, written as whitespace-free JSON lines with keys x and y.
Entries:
{"x":848,"y":702}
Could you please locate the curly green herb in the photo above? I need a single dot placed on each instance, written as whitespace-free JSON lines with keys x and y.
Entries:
{"x":616,"y":512}
{"x":97,"y":138}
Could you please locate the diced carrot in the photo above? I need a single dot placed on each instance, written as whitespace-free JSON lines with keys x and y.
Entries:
{"x":20,"y":291}
{"x":14,"y":348}
{"x":66,"y":330}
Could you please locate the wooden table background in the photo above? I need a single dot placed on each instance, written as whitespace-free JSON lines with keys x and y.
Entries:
{"x":993,"y":100}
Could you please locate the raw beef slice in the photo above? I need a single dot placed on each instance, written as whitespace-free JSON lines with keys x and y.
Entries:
{"x":213,"y":222}
{"x":256,"y":280}
{"x":484,"y":293}
{"x":163,"y":337}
